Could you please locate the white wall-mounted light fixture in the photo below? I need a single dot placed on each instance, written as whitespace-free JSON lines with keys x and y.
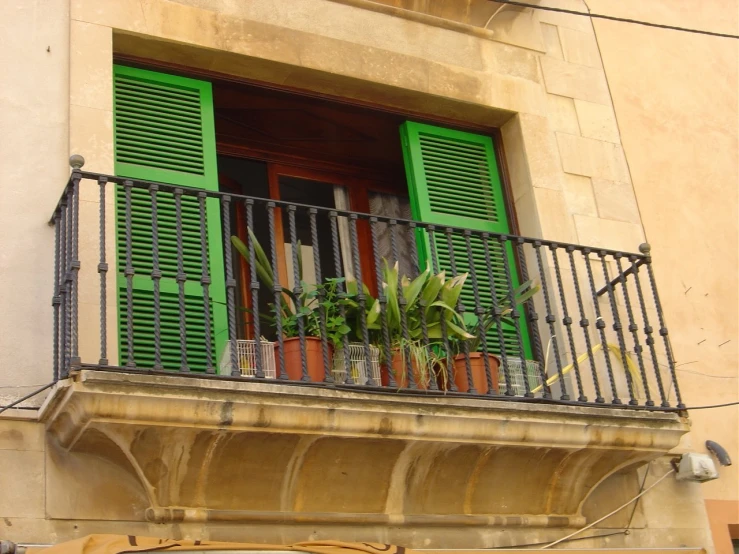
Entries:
{"x":696,"y":467}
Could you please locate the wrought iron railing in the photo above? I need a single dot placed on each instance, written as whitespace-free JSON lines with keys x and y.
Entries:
{"x":582,"y":332}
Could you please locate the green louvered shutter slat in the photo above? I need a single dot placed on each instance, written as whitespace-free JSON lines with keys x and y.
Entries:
{"x":453,"y":180}
{"x":164,"y":132}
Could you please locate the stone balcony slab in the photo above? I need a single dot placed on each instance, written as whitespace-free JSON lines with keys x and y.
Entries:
{"x":188,"y":448}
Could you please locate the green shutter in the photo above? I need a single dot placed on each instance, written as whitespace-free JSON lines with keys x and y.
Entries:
{"x":453,"y":180}
{"x":164,"y":132}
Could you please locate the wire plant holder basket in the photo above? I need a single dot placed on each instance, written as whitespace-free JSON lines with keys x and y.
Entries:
{"x":516,"y":369}
{"x":358,"y":365}
{"x":246,"y":354}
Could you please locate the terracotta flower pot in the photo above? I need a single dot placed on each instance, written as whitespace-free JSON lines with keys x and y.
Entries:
{"x":400,"y":372}
{"x":477,"y":367}
{"x":293,"y":364}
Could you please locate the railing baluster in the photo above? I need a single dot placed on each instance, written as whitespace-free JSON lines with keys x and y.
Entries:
{"x":254,"y":288}
{"x":533,"y":318}
{"x":103,"y":271}
{"x":479,"y":311}
{"x":181,"y":278}
{"x":298,"y":290}
{"x":361,"y":298}
{"x":633,"y":328}
{"x":585,"y":325}
{"x":421,"y":302}
{"x":75,"y":266}
{"x":617,"y":327}
{"x":230,"y":284}
{"x":646,"y":249}
{"x":448,"y":369}
{"x":382,"y":299}
{"x":461,"y":310}
{"x":648,"y":332}
{"x":327,"y":376}
{"x":405,"y":348}
{"x":497,"y":314}
{"x":156,"y":276}
{"x":567,"y":322}
{"x":431,"y":230}
{"x":600,"y":325}
{"x":56,"y":298}
{"x":68,"y":282}
{"x":550,"y":319}
{"x":415,"y":267}
{"x":63,"y":296}
{"x":205,"y":282}
{"x":277,"y":290}
{"x":339,"y":270}
{"x":515,"y":315}
{"x":129,"y":273}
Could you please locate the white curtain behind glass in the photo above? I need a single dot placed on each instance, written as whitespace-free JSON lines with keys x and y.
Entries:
{"x":341,"y":201}
{"x":391,"y":205}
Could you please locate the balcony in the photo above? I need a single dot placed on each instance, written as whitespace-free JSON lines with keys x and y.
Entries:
{"x":209,"y":345}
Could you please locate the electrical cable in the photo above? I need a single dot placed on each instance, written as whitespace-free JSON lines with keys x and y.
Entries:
{"x":626,"y":531}
{"x":30,"y":395}
{"x":596,"y":522}
{"x":735,"y":403}
{"x":620,"y":19}
{"x":708,"y":374}
{"x":641,"y":488}
{"x":601,"y":536}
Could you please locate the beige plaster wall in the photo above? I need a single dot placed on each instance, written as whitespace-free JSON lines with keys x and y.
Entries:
{"x":34,"y":117}
{"x":677,"y":112}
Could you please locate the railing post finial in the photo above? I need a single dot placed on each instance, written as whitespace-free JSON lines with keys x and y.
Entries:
{"x":76,"y":161}
{"x":645,"y":248}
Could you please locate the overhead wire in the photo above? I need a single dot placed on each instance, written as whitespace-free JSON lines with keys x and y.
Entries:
{"x":30,"y":395}
{"x":727,"y":404}
{"x":601,"y":536}
{"x":619,"y":19}
{"x":641,"y":488}
{"x":597,"y":521}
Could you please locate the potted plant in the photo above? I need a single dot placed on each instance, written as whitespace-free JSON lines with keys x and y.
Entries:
{"x":305,"y":307}
{"x":483,"y":325}
{"x":429,"y":299}
{"x":323,"y":295}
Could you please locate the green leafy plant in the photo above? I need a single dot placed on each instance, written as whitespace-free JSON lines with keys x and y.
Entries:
{"x":305,"y":306}
{"x":429,"y":299}
{"x":488,"y":320}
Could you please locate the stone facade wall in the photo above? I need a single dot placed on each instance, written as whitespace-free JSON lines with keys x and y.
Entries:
{"x":34,"y":119}
{"x":678,"y":111}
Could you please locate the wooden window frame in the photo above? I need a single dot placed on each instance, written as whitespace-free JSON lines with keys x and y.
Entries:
{"x":358,"y":191}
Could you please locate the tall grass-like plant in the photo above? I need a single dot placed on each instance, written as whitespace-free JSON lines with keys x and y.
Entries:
{"x":306,"y":306}
{"x":429,"y":298}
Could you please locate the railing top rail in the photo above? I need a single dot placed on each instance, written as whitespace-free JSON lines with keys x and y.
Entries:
{"x":164,"y":187}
